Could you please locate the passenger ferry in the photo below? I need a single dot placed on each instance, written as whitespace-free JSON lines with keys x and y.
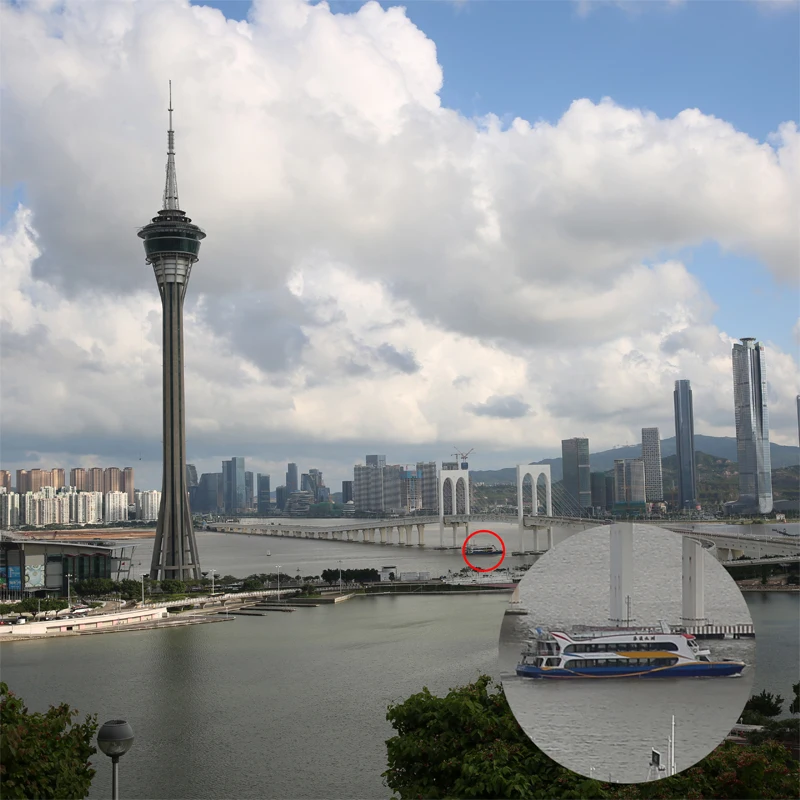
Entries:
{"x":621,"y":653}
{"x":483,"y":550}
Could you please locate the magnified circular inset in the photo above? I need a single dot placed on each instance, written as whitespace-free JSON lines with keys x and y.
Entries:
{"x":628,"y":654}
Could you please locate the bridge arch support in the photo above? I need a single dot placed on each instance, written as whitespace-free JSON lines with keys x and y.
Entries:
{"x":457,"y":480}
{"x":534,"y":471}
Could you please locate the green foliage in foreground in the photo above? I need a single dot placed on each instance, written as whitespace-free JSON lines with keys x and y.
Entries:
{"x":44,"y":755}
{"x":469,"y":745}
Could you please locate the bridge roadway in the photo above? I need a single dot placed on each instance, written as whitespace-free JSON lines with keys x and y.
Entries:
{"x":726,"y":546}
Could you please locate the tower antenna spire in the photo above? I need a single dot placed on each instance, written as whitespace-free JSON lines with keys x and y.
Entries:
{"x":171,"y":187}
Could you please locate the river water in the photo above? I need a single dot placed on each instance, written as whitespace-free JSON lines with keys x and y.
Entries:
{"x":292,"y":706}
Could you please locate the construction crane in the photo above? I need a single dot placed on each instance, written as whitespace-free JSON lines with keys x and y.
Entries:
{"x":462,"y":457}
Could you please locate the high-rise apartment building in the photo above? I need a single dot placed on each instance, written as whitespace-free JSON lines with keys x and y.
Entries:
{"x":95,"y":480}
{"x":39,"y":478}
{"x":112,"y":480}
{"x":23,"y":482}
{"x":9,"y":508}
{"x":127,"y":484}
{"x":78,"y":479}
{"x":264,"y":494}
{"x":651,"y":456}
{"x":5,"y":480}
{"x":576,"y":470}
{"x":752,"y":427}
{"x":147,"y":505}
{"x":368,"y":488}
{"x":429,"y":491}
{"x":57,"y":477}
{"x":684,"y":444}
{"x":347,"y":491}
{"x":292,"y":484}
{"x":392,"y":488}
{"x":629,"y":482}
{"x":376,"y":461}
{"x":115,"y":507}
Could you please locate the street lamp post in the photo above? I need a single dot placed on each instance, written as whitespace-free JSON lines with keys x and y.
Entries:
{"x":142,"y":577}
{"x":69,"y":596}
{"x":340,"y":576}
{"x":115,"y":738}
{"x":279,"y":583}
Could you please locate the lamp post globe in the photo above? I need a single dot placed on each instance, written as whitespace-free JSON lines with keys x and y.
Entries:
{"x":115,"y":738}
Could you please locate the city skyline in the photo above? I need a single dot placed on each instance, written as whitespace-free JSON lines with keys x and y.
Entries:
{"x":317,"y":342}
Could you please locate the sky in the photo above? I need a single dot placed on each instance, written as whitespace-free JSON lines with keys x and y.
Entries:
{"x":431,"y":227}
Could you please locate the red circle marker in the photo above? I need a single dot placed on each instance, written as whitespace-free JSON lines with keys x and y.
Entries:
{"x":472,"y":566}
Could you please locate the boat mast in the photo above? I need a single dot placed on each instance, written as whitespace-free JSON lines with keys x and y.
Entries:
{"x":672,"y":769}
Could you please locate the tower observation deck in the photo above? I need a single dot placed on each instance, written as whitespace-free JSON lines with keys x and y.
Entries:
{"x":172,"y":245}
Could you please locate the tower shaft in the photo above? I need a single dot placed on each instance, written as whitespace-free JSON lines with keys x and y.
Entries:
{"x":175,"y":549}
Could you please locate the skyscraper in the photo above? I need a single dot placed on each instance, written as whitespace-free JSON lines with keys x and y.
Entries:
{"x":172,"y":244}
{"x":78,"y":478}
{"x":629,"y":482}
{"x":5,"y":480}
{"x":347,"y":491}
{"x":264,"y":494}
{"x":376,"y":461}
{"x":112,"y":480}
{"x":95,"y":480}
{"x":127,"y":484}
{"x":249,"y":490}
{"x":291,"y":479}
{"x":651,"y":455}
{"x":191,"y":475}
{"x":684,"y":444}
{"x":233,"y":485}
{"x":58,"y":479}
{"x":575,"y":464}
{"x":598,"y":483}
{"x":429,"y":491}
{"x":752,"y":427}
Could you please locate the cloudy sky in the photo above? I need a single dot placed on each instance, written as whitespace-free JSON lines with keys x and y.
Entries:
{"x":490,"y":225}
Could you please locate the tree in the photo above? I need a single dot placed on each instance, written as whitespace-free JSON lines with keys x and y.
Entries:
{"x":172,"y":586}
{"x":469,"y":745}
{"x":777,"y":730}
{"x":44,"y":755}
{"x":129,"y":589}
{"x":794,"y":708}
{"x":94,"y":587}
{"x":766,"y":704}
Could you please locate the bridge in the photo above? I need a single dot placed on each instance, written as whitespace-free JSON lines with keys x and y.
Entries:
{"x":408,"y":531}
{"x":535,"y":537}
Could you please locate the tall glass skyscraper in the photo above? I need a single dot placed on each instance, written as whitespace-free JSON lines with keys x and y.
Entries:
{"x":684,"y":444}
{"x":752,"y":427}
{"x":233,"y":481}
{"x":576,"y":470}
{"x":292,"y":484}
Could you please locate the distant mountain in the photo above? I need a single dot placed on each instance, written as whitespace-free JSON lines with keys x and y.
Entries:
{"x":717,"y":446}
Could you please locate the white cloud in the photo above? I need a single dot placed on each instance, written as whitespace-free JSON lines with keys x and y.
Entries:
{"x":377,"y":268}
